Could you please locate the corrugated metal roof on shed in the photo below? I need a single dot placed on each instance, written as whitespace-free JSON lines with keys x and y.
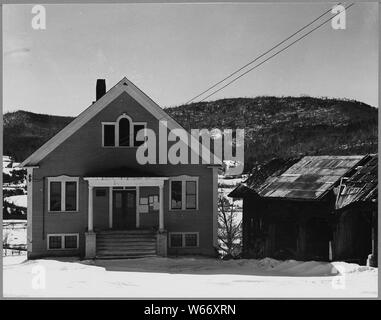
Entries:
{"x":259,"y":174}
{"x":310,"y":178}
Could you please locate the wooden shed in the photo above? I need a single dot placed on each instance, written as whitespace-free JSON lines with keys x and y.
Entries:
{"x":355,"y":230}
{"x":289,"y":205}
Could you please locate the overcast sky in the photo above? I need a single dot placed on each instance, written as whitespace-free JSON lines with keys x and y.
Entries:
{"x":174,"y":51}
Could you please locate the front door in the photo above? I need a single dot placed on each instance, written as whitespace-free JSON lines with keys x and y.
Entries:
{"x":124,"y":209}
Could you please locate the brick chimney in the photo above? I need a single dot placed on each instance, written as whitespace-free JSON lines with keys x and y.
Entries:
{"x":101,"y":88}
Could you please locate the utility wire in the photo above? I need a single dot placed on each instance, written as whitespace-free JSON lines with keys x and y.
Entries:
{"x":259,"y":64}
{"x":260,"y":56}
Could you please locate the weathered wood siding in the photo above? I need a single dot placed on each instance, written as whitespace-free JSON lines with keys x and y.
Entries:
{"x":353,"y":235}
{"x":286,"y":229}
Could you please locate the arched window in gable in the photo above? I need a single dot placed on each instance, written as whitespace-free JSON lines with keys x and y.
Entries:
{"x":124,"y":132}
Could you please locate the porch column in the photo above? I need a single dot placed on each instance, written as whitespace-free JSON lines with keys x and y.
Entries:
{"x":90,"y":236}
{"x":137,"y":207}
{"x":90,"y":210}
{"x":110,"y":207}
{"x":161,"y":211}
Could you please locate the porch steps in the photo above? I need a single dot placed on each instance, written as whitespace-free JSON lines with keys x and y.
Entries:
{"x":119,"y":244}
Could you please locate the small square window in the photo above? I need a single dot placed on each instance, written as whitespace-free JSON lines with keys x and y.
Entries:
{"x":191,"y":240}
{"x":176,"y":240}
{"x":55,"y":242}
{"x":71,"y":242}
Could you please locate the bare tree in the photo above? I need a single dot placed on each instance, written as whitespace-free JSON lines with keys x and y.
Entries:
{"x":6,"y":234}
{"x":229,"y":228}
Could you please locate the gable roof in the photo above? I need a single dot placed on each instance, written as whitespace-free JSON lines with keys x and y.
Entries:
{"x":259,"y":174}
{"x":362,"y":186}
{"x":123,"y":85}
{"x":310,"y":178}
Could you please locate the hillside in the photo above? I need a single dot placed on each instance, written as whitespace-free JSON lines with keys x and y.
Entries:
{"x":289,"y":126}
{"x":275,"y":126}
{"x":24,"y":132}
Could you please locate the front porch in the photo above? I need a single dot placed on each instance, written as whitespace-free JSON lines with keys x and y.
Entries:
{"x":125,"y":217}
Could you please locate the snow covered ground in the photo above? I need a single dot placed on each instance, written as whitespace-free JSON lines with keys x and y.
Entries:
{"x":185,"y":278}
{"x":20,"y":200}
{"x":14,"y":232}
{"x":9,"y":167}
{"x":226,"y":185}
{"x":232,"y":182}
{"x":180,"y":277}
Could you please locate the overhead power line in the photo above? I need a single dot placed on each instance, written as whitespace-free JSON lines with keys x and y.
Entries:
{"x":268,"y":51}
{"x":275,"y":54}
{"x":260,"y":56}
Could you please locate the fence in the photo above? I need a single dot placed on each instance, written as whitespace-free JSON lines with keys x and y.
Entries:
{"x":14,"y":237}
{"x":14,"y":250}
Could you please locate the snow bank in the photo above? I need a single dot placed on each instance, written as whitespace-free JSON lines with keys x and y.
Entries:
{"x":20,"y":200}
{"x":350,"y":268}
{"x":307,"y":268}
{"x":188,"y":278}
{"x":290,"y":268}
{"x":14,"y":236}
{"x":199,"y":265}
{"x":14,"y":232}
{"x":310,"y":268}
{"x":230,"y":182}
{"x":14,"y":223}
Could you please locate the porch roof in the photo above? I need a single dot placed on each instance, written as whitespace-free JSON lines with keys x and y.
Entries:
{"x":125,"y":172}
{"x":124,"y":176}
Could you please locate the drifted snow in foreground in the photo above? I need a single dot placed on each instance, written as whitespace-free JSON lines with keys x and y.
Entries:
{"x":186,"y":277}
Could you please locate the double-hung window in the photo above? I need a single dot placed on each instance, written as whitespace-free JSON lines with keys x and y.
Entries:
{"x":63,"y":194}
{"x":184,"y":193}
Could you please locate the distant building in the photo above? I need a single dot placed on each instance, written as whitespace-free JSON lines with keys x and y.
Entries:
{"x":300,"y":209}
